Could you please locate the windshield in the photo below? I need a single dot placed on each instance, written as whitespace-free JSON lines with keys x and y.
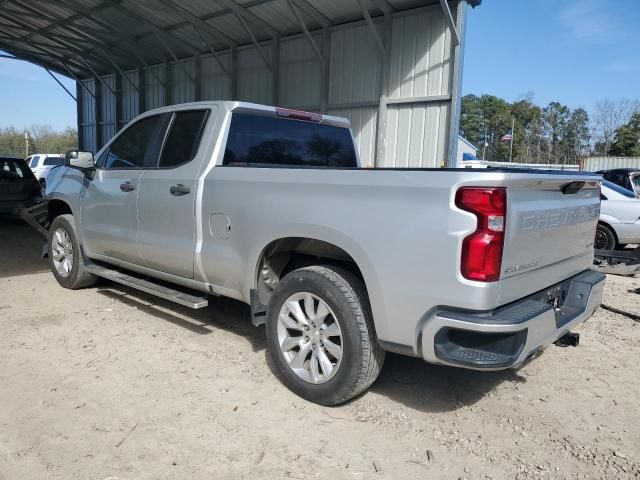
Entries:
{"x":618,"y":189}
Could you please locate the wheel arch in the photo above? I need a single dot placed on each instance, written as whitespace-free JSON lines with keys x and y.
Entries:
{"x":610,"y":227}
{"x":285,"y":254}
{"x":57,"y":207}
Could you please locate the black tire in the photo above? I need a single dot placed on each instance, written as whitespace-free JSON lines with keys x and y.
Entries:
{"x":362,"y":356}
{"x":78,"y":277}
{"x":605,"y":238}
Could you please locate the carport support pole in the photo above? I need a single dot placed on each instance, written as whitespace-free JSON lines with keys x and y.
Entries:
{"x":275,"y":71}
{"x":326,"y":70}
{"x":118,"y":111}
{"x":98,"y":113}
{"x":79,"y":106}
{"x":197,"y":78}
{"x":167,"y":83}
{"x":456,"y":84}
{"x":233,"y":53}
{"x":141,"y":90}
{"x":385,"y":65}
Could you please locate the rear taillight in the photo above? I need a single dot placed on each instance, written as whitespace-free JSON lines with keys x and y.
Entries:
{"x":482,"y":250}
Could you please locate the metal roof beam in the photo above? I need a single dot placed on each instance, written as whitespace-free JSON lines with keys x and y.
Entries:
{"x":154,"y":28}
{"x":34,"y":32}
{"x":243,"y":12}
{"x":70,"y":19}
{"x":79,"y":82}
{"x":213,"y":51}
{"x":61,"y":84}
{"x":449,"y":18}
{"x":47,"y":53}
{"x":195,"y":20}
{"x":119,"y":70}
{"x":32,"y":58}
{"x":385,"y":6}
{"x":95,"y":74}
{"x":312,"y":11}
{"x":372,"y":27}
{"x":306,"y":31}
{"x":254,"y":41}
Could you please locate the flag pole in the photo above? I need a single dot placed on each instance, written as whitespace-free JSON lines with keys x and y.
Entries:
{"x":513,"y":124}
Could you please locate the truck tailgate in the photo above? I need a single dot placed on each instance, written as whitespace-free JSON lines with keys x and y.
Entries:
{"x":550,"y":230}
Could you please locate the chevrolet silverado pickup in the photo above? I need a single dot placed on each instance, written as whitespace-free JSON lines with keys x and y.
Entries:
{"x":467,"y":268}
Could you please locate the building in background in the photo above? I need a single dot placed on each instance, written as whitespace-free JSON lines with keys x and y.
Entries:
{"x":466,"y":150}
{"x":594,"y":164}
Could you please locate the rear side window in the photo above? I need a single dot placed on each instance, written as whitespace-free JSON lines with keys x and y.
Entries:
{"x":53,"y":161}
{"x":131,"y":147}
{"x":270,"y":141}
{"x":34,"y":162}
{"x":184,"y":138}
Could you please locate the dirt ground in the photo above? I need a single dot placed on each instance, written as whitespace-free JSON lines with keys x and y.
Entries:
{"x":109,"y":383}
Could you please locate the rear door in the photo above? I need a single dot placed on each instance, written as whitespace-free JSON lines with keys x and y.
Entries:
{"x":550,"y":231}
{"x":109,"y":203}
{"x":168,"y":194}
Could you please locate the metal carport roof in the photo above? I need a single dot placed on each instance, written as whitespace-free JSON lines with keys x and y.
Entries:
{"x":87,"y":37}
{"x":92,"y":39}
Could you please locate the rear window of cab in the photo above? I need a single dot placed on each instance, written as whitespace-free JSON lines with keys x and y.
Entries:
{"x":279,"y":142}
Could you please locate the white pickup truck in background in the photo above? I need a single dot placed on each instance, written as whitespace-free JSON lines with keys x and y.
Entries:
{"x":472,"y":268}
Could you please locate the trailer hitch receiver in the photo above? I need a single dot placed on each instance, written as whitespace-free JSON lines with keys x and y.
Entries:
{"x":569,"y":339}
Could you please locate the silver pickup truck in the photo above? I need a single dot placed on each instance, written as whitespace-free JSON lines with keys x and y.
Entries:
{"x":468,"y":268}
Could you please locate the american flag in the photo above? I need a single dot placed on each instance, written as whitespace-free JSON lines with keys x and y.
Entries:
{"x":506,"y":138}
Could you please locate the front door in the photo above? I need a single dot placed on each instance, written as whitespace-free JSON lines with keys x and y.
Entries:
{"x":109,"y":215}
{"x":167,"y":196}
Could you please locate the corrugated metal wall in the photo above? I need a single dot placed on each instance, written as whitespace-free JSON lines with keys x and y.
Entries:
{"x":593,"y":164}
{"x":399,"y":102}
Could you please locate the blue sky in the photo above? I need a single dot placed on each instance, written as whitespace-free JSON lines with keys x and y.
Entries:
{"x":573,"y":51}
{"x":28,"y":95}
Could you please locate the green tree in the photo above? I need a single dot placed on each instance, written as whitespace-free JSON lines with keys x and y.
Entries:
{"x":626,"y":142}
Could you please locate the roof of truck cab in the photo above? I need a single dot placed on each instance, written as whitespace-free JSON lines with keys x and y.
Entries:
{"x":235,"y":106}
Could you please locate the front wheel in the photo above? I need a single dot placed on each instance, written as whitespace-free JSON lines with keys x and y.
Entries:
{"x":320,"y":335}
{"x":65,"y":257}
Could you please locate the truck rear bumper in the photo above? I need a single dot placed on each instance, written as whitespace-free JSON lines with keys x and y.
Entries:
{"x":509,"y":335}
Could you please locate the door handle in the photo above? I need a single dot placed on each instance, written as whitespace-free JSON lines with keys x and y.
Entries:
{"x":179,"y":190}
{"x":127,"y":187}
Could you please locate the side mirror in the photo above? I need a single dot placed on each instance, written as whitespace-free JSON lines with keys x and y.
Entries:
{"x":81,"y":160}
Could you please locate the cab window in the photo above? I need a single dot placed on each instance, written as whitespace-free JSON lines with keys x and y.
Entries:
{"x":184,"y":138}
{"x":132,"y":147}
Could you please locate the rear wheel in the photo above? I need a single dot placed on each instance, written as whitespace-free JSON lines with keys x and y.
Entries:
{"x":605,"y":238}
{"x":65,"y":257}
{"x":320,"y":335}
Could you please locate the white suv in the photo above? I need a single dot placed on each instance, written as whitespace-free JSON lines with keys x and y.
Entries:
{"x":42,"y":163}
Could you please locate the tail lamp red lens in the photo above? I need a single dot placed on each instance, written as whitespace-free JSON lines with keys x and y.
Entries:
{"x":482,"y":250}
